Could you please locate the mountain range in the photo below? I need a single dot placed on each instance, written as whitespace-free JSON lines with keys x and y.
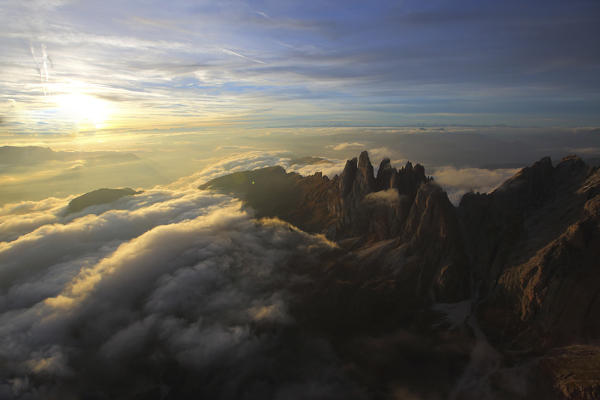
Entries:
{"x":497,"y":297}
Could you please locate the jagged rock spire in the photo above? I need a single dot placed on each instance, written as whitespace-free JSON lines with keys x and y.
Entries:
{"x":365,"y":181}
{"x":385,"y":175}
{"x":348,"y":176}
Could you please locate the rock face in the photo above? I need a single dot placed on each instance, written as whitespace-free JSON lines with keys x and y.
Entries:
{"x":525,"y":256}
{"x":535,"y":244}
{"x":97,"y":197}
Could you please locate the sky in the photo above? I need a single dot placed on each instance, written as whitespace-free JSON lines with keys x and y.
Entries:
{"x":112,"y":68}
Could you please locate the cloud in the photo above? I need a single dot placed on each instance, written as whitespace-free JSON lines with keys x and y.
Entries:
{"x":458,"y":181}
{"x":173,"y":291}
{"x":348,"y":146}
{"x":238,"y":161}
{"x":330,"y":168}
{"x":17,"y":219}
{"x":383,"y":196}
{"x":379,"y":153}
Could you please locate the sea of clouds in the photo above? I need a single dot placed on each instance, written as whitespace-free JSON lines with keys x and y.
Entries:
{"x":171,"y":293}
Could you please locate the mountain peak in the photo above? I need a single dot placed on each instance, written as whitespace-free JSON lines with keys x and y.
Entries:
{"x":363,"y":160}
{"x":386,"y":174}
{"x":348,"y":176}
{"x":365,"y":182}
{"x":572,"y":165}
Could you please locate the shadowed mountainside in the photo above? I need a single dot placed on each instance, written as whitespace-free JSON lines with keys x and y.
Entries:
{"x":97,"y":197}
{"x":524,"y":257}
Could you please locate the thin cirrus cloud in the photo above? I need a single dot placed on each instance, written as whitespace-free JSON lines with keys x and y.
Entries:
{"x":471,"y":62}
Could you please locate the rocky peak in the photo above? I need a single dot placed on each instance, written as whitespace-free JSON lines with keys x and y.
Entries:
{"x":357,"y":180}
{"x":365,"y":181}
{"x":385,"y":175}
{"x":409,"y":179}
{"x":419,"y":172}
{"x":363,"y":161}
{"x":529,"y":187}
{"x":348,"y":176}
{"x":529,"y":178}
{"x":571,"y":169}
{"x":355,"y":183}
{"x":572,"y":159}
{"x":385,"y":164}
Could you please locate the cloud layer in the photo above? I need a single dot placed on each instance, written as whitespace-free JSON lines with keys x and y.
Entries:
{"x":172,"y":293}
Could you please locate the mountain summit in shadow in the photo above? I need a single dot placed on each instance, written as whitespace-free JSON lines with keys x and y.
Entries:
{"x":516,"y":270}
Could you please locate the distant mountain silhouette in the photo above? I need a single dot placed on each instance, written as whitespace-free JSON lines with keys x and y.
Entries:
{"x":97,"y":197}
{"x":523,"y":258}
{"x":26,"y":155}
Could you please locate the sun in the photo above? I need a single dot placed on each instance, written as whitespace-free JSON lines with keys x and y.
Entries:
{"x":84,"y":109}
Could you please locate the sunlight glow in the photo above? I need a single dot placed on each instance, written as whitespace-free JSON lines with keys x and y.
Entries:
{"x":84,"y":109}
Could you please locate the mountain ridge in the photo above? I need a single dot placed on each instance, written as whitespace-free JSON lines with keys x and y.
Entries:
{"x":524,"y":255}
